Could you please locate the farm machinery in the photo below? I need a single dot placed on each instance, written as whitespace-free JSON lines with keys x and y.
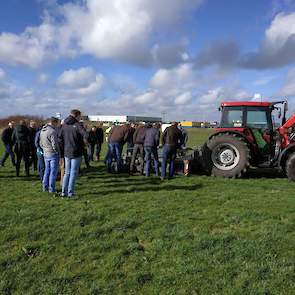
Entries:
{"x":249,"y":136}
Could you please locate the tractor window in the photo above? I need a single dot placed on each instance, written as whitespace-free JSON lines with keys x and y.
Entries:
{"x":257,"y":119}
{"x":232,"y":118}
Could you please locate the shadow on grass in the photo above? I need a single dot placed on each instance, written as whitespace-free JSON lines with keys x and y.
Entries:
{"x":264,"y":173}
{"x":136,"y":189}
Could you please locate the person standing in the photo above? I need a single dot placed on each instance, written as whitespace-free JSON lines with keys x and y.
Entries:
{"x":151,"y":143}
{"x":33,"y":128}
{"x":40,"y":156}
{"x":138,"y":140}
{"x":171,"y":141}
{"x":50,"y":146}
{"x":130,"y":144}
{"x":117,"y":138}
{"x":99,"y":135}
{"x":73,"y":138}
{"x":21,"y":138}
{"x":8,"y":144}
{"x":93,"y":141}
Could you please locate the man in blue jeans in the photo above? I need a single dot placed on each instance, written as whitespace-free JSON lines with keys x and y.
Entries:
{"x":151,"y":142}
{"x":72,"y":138}
{"x":51,"y":152}
{"x":7,"y":140}
{"x":171,"y":140}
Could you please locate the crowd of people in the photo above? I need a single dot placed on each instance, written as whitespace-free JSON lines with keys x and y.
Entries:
{"x":58,"y":147}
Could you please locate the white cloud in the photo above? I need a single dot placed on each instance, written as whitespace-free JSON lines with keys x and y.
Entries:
{"x":288,"y":88}
{"x":107,"y":29}
{"x":183,"y":98}
{"x":84,"y":81}
{"x":2,"y":74}
{"x":42,"y":78}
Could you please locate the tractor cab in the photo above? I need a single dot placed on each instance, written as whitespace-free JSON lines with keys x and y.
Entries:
{"x":256,"y":122}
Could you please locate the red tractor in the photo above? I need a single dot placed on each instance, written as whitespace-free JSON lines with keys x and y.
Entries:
{"x":248,"y":136}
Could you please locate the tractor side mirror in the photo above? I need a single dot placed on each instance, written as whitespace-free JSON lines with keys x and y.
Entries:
{"x":280,"y":113}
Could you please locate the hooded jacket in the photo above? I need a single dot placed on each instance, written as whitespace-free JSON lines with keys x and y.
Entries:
{"x":72,"y":138}
{"x":49,"y":141}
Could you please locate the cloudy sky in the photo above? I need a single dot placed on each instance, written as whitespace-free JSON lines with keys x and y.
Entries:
{"x":144,"y":57}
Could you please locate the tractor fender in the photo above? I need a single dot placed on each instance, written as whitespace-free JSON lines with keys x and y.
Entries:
{"x":230,"y":132}
{"x":284,"y":155}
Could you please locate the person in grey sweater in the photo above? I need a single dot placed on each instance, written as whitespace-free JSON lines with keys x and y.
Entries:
{"x":50,"y":146}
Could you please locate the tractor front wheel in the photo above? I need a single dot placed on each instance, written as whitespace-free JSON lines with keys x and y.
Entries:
{"x":290,"y":167}
{"x":226,"y":155}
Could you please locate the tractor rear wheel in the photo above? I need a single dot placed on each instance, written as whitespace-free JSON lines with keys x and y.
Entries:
{"x":290,"y":167}
{"x":226,"y":155}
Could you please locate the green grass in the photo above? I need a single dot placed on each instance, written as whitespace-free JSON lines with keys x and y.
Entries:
{"x":131,"y":235}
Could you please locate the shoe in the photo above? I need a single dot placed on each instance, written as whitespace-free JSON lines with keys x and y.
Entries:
{"x":162,"y":178}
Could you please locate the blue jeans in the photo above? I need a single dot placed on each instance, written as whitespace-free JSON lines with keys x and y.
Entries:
{"x":8,"y":152}
{"x":71,"y":173}
{"x":115,"y":151}
{"x":50,"y":174}
{"x":169,"y":154}
{"x":149,"y":151}
{"x":41,"y":166}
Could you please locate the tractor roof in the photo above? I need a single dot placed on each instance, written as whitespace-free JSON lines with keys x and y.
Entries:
{"x":246,"y":103}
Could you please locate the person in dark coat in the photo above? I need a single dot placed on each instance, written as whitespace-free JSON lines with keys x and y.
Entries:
{"x":138,"y":149}
{"x":33,"y":128}
{"x":100,"y":135}
{"x":72,"y":138}
{"x":8,"y":144}
{"x":21,"y":138}
{"x":117,"y":138}
{"x":93,"y":141}
{"x":171,"y":141}
{"x":130,"y":143}
{"x":151,"y":143}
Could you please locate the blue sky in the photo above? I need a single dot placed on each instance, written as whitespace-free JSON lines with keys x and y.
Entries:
{"x":144,"y":57}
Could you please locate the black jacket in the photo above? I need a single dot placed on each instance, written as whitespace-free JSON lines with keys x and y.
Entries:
{"x":172,"y":136}
{"x":7,"y":135}
{"x":92,"y":137}
{"x":99,"y":134}
{"x":21,"y":135}
{"x":72,"y":138}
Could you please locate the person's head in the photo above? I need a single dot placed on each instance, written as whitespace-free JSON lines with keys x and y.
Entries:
{"x":76,"y":114}
{"x":156,"y":125}
{"x":11,"y":124}
{"x":53,"y":121}
{"x":174,"y":124}
{"x":93,"y":128}
{"x":22,"y":122}
{"x":33,"y":124}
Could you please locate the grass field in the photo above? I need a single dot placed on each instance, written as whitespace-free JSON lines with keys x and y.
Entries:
{"x":132,"y":235}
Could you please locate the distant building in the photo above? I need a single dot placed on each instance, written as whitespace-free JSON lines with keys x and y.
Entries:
{"x":123,"y":119}
{"x":194,"y":124}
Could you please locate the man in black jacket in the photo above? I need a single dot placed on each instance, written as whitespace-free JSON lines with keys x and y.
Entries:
{"x":99,"y":135}
{"x":33,"y":128}
{"x":93,"y":141}
{"x":73,"y":138}
{"x":171,"y":141}
{"x":22,"y":144}
{"x":7,"y":140}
